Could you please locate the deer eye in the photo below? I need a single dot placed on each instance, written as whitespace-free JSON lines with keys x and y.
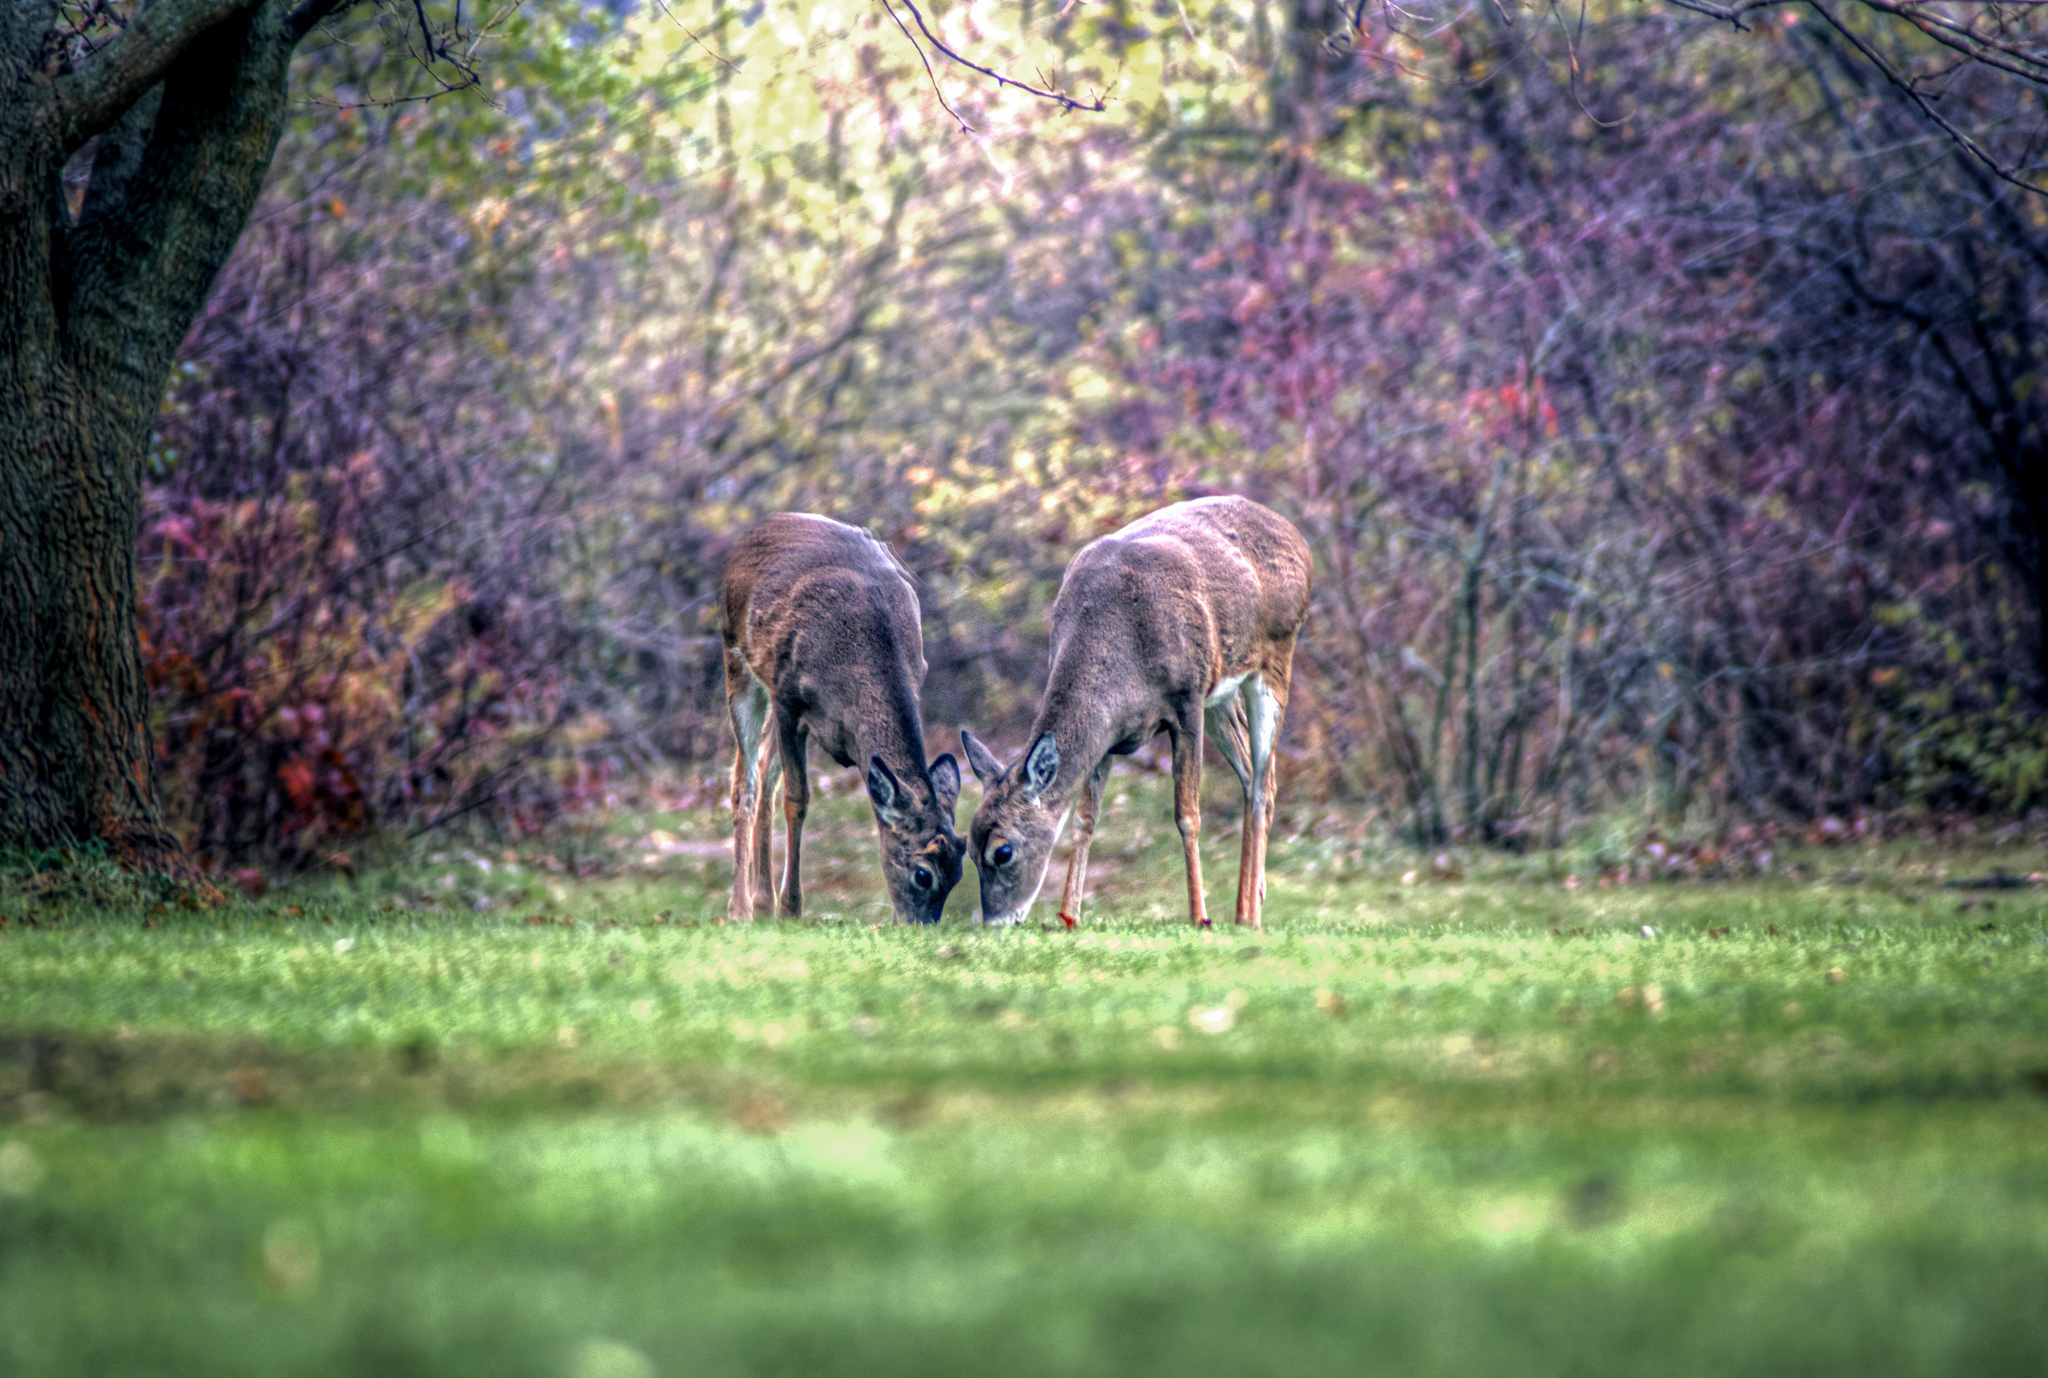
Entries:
{"x":921,"y":878}
{"x":1001,"y":855}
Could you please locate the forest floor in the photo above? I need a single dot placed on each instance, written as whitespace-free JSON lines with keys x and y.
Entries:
{"x":420,"y":1122}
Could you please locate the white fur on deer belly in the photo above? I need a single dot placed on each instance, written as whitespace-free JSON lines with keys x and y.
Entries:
{"x":1225,"y":687}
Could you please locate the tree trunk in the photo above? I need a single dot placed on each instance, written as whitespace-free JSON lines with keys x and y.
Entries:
{"x":96,"y":301}
{"x":75,"y":749}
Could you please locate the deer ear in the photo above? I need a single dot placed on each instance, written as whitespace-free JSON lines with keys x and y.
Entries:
{"x":987,"y":768}
{"x":891,"y":803}
{"x":1041,"y":764}
{"x":945,"y":773}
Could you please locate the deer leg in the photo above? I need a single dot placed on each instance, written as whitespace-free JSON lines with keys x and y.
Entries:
{"x":1187,"y":806}
{"x":1077,"y":865}
{"x":769,"y":771}
{"x":1265,"y":707}
{"x":796,"y":802}
{"x":738,"y":907}
{"x":1229,"y":728}
{"x":746,"y":703}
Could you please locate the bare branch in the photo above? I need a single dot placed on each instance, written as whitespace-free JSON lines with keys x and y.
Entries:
{"x":1046,"y":92}
{"x":1912,"y":93}
{"x":930,"y":75}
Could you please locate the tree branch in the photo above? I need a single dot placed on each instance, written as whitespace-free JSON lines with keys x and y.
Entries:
{"x":139,"y":264}
{"x":310,"y":13}
{"x":1996,"y":48}
{"x":90,"y":99}
{"x":1046,"y":92}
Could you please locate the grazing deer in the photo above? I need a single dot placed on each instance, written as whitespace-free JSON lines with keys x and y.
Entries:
{"x":1188,"y":613}
{"x":821,"y":635}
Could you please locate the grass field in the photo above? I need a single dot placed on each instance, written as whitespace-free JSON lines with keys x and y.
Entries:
{"x":1467,"y":1126}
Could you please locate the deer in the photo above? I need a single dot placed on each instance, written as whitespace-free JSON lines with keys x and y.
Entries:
{"x":1184,"y":619}
{"x":822,"y":645}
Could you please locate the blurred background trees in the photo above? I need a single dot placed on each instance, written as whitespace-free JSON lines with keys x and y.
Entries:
{"x":1659,"y":396}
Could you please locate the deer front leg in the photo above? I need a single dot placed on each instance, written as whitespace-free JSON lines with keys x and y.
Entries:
{"x":796,"y":802}
{"x":1077,"y":866}
{"x":1187,"y":806}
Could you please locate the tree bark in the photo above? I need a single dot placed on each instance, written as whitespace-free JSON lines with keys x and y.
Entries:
{"x":96,"y":302}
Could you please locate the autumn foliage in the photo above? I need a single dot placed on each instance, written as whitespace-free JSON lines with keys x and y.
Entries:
{"x":1657,"y":398}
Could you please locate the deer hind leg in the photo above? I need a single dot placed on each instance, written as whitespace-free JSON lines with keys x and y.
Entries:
{"x":1077,"y":866}
{"x":1187,"y":806}
{"x":1230,"y":728}
{"x":1265,"y":707}
{"x":769,"y":770}
{"x":746,"y":703}
{"x":796,"y":803}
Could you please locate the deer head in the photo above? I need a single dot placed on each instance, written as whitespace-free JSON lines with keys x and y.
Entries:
{"x":920,"y":851}
{"x":1016,"y":827}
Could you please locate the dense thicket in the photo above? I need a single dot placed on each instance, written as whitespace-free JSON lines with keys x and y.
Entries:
{"x":1657,"y":396}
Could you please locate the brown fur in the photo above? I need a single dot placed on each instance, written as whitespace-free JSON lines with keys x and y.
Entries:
{"x":1149,"y":622}
{"x":822,"y":645}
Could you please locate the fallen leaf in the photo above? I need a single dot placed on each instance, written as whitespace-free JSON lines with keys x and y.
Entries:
{"x":291,"y":1258}
{"x":760,"y":1114}
{"x":249,"y":1085}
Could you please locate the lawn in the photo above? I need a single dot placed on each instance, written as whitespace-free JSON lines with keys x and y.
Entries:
{"x":477,"y":1116}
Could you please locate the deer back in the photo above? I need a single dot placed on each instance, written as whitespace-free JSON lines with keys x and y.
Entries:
{"x":1176,"y":602}
{"x":826,"y":618}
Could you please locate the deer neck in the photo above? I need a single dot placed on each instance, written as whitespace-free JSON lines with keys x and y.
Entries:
{"x":885,"y":723}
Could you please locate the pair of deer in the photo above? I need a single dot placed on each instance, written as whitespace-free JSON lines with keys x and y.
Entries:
{"x":1186,"y":615}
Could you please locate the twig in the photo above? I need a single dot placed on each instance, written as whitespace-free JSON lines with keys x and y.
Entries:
{"x":932,"y":76}
{"x":717,"y":57}
{"x":1059,"y":98}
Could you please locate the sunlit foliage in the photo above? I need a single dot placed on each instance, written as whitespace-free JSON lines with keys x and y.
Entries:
{"x":1623,"y":489}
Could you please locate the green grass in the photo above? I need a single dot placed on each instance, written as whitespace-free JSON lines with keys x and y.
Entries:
{"x":1484,"y":1126}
